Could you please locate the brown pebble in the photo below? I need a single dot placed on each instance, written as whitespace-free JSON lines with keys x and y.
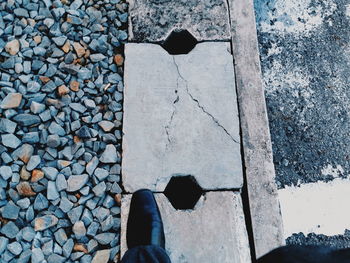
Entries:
{"x":87,"y":53}
{"x":37,"y":39}
{"x":66,"y":47}
{"x":79,"y":49}
{"x":26,"y":152}
{"x":116,"y":258}
{"x":3,"y":221}
{"x":118,"y":199}
{"x":118,"y":59}
{"x":25,"y":175}
{"x":80,"y":248}
{"x":63,"y":163}
{"x":36,"y":175}
{"x":62,"y":90}
{"x":44,"y":79}
{"x":76,"y":139}
{"x":12,"y":100}
{"x":12,"y":47}
{"x":31,"y":22}
{"x":25,"y":189}
{"x":77,"y":195}
{"x":74,"y":85}
{"x":24,"y":21}
{"x":53,"y":102}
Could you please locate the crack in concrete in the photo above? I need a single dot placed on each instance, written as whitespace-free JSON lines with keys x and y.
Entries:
{"x":199,"y":105}
{"x":168,"y":126}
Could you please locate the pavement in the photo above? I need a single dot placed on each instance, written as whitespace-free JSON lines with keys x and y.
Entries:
{"x":195,"y":118}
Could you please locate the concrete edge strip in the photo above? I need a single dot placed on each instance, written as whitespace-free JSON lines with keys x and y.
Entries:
{"x":266,"y":220}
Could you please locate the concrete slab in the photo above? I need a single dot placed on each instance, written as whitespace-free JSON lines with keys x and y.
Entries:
{"x":267,"y":228}
{"x":213,"y":232}
{"x":180,"y":118}
{"x":153,"y":20}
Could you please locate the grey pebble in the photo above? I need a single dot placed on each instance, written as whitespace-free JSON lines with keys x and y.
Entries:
{"x":15,"y":248}
{"x":23,"y":203}
{"x":77,"y":107}
{"x":75,"y":213}
{"x":91,"y":166}
{"x":105,"y":238}
{"x":65,"y":205}
{"x":99,"y":189}
{"x":50,"y":172}
{"x":25,"y":256}
{"x":28,"y":233}
{"x":101,"y":174}
{"x":37,"y":255}
{"x":92,"y":229}
{"x":7,"y":126}
{"x":5,"y":172}
{"x":54,"y":128}
{"x":52,"y":193}
{"x":10,"y":211}
{"x":40,"y":202}
{"x":109,"y":155}
{"x":60,"y":236}
{"x":61,"y":182}
{"x":53,"y":141}
{"x":26,"y":119}
{"x":3,"y":244}
{"x":10,"y":140}
{"x":68,"y":247}
{"x":34,"y":161}
{"x":10,"y":230}
{"x":76,"y":182}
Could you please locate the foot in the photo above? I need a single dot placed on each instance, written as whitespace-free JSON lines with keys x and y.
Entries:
{"x":145,"y":226}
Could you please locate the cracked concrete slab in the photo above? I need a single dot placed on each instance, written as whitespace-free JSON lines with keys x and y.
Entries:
{"x":209,"y":233}
{"x":152,"y":21}
{"x":180,"y":118}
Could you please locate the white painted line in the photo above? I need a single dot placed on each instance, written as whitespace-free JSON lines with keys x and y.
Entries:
{"x":322,"y":208}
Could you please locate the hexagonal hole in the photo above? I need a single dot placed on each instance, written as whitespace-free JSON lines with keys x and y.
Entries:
{"x":179,"y":42}
{"x":183,"y":192}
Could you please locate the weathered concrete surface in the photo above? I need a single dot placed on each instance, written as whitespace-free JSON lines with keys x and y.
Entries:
{"x":265,"y":213}
{"x":180,"y":118}
{"x":305,"y":56}
{"x":213,"y":232}
{"x":153,"y":20}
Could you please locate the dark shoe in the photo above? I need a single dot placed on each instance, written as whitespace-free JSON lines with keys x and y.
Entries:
{"x":145,"y":226}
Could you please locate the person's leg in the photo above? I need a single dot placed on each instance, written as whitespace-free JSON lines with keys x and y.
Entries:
{"x":146,"y":254}
{"x":145,"y":232}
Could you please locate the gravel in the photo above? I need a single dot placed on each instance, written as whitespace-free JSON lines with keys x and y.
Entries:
{"x":61,"y":69}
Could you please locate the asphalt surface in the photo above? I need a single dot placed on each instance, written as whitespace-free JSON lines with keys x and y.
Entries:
{"x":305,"y":57}
{"x":306,"y":70}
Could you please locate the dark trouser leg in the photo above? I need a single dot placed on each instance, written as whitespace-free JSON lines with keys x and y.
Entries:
{"x":146,"y":254}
